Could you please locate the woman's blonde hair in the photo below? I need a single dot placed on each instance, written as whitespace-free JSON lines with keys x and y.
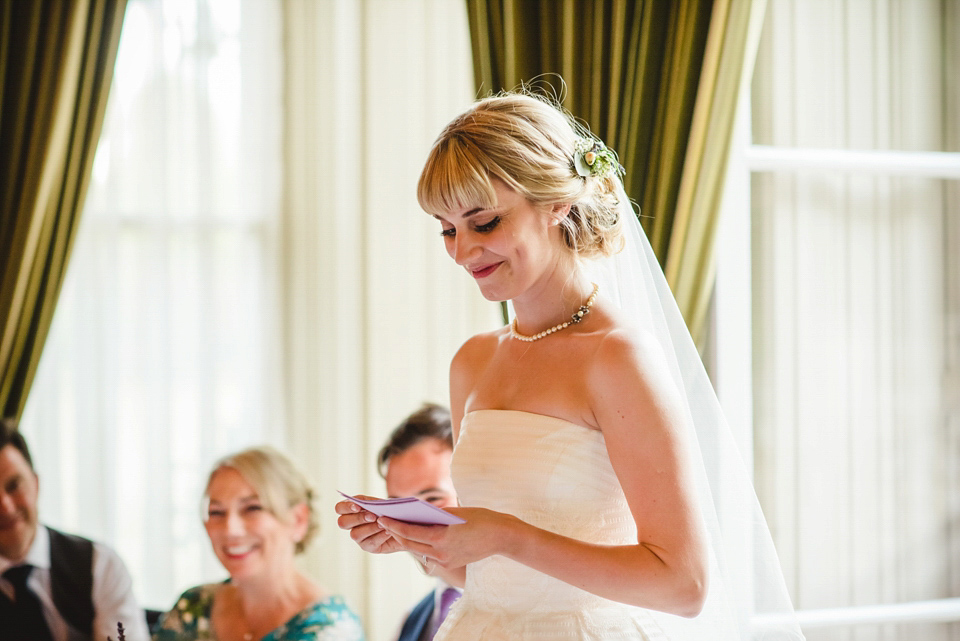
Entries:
{"x":279,"y":484}
{"x":527,"y":142}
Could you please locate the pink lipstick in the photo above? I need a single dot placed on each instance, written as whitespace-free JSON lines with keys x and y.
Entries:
{"x":483,"y":272}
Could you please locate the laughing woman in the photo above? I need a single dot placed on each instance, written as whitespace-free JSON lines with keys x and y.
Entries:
{"x":258,"y":515}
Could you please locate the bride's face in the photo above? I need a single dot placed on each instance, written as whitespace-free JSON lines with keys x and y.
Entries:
{"x":508,"y":248}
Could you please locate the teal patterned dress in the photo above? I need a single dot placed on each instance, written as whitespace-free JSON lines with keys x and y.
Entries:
{"x":327,"y":620}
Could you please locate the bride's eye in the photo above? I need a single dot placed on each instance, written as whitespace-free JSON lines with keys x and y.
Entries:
{"x":448,"y":232}
{"x":488,"y":226}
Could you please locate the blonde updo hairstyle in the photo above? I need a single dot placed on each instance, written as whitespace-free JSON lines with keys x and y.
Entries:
{"x":279,"y":485}
{"x":527,"y":142}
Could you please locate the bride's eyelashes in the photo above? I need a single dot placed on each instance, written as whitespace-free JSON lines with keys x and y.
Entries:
{"x":483,"y":228}
{"x":490,"y":225}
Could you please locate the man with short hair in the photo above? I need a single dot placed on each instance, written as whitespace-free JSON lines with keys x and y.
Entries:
{"x":54,"y":586}
{"x":415,"y":461}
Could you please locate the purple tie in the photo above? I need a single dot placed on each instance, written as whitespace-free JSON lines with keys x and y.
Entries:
{"x":446,"y":600}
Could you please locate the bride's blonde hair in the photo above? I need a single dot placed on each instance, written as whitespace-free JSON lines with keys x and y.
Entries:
{"x":527,"y":142}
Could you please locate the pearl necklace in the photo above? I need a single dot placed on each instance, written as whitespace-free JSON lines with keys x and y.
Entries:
{"x":576,"y":318}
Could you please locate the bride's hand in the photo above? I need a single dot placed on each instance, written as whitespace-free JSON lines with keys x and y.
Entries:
{"x":364,"y":529}
{"x":452,"y":546}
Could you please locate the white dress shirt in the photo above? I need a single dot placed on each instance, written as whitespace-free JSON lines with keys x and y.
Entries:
{"x":113,"y":599}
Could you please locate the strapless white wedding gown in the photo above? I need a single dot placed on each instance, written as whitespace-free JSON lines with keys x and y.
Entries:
{"x":557,"y":476}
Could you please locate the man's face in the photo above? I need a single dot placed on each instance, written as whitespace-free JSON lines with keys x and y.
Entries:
{"x":423,"y":471}
{"x":18,"y":504}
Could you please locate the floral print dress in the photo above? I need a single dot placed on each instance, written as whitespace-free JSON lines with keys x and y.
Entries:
{"x":327,"y":620}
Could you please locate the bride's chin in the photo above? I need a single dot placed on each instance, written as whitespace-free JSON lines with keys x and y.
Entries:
{"x":498,"y":292}
{"x":494,"y":295}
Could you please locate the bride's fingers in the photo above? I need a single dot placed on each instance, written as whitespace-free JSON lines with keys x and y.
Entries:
{"x":349,"y":507}
{"x":427,"y":534}
{"x":352,"y":520}
{"x":424,"y":553}
{"x":379,"y":543}
{"x":372,"y":538}
{"x":346,"y":507}
{"x":363,"y":532}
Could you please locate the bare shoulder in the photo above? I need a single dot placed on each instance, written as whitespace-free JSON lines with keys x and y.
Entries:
{"x":471,"y":359}
{"x":475,"y":352}
{"x":626,"y":349}
{"x":628,"y":377}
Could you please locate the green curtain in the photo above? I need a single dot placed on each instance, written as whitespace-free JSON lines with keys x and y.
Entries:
{"x":637,"y":71}
{"x":56,"y":64}
{"x":727,"y":70}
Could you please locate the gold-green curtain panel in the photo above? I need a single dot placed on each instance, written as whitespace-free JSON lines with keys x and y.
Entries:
{"x":56,"y":64}
{"x":727,"y":68}
{"x":636,"y":71}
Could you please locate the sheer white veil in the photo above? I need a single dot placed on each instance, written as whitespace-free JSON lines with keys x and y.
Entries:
{"x":747,"y":596}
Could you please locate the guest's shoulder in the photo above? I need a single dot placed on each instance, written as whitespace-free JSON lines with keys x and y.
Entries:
{"x":107,"y":558}
{"x":189,"y":618}
{"x":68,"y":536}
{"x":330,"y":619}
{"x":199,"y":593}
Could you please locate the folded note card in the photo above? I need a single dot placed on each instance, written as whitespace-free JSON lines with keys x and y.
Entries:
{"x":409,"y":509}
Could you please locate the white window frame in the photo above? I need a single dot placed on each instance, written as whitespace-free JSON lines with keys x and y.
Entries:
{"x":730,"y":350}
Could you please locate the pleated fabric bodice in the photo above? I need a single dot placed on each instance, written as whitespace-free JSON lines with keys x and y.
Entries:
{"x":555,"y":475}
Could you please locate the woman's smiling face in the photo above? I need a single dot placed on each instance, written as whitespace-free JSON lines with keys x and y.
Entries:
{"x":247,"y":538}
{"x":506,"y":248}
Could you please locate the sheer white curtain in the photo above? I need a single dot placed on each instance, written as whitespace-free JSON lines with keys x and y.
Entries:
{"x":857,"y":309}
{"x":162,"y":355}
{"x":374,"y":307}
{"x":253,"y":266}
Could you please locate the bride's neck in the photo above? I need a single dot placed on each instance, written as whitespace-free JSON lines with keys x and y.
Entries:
{"x":551,"y":302}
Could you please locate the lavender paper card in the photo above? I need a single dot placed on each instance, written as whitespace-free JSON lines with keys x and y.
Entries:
{"x":409,"y":509}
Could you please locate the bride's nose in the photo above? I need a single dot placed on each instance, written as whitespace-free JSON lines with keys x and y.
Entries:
{"x":464,"y":249}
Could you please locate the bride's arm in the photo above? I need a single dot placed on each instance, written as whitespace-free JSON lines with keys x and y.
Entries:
{"x":470,"y":360}
{"x":644,"y":424}
{"x":364,"y":529}
{"x":463,"y":370}
{"x":642,"y":418}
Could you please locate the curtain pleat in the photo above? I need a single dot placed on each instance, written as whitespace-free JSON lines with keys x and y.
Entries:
{"x":728,"y":63}
{"x":56,"y":64}
{"x":634,"y":70}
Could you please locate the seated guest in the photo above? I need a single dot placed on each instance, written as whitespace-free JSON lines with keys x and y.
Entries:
{"x":415,"y":461}
{"x":54,"y":586}
{"x":258,"y":515}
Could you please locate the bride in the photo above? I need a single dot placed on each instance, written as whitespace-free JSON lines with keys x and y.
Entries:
{"x":581,"y":428}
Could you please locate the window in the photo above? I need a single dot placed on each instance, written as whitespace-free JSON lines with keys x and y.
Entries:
{"x":252,"y":265}
{"x":855,"y":311}
{"x":159,"y":356}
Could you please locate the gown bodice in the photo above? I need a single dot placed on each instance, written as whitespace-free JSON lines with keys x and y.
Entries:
{"x":557,"y":476}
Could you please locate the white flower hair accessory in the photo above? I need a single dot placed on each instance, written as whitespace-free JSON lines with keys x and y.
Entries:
{"x":593,"y":158}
